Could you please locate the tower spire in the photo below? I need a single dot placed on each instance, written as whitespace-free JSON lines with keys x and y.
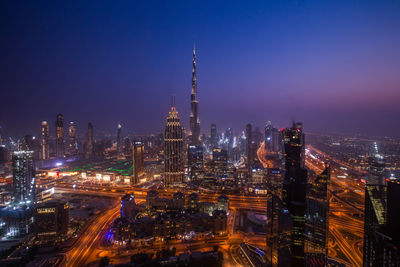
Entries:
{"x":172,"y":100}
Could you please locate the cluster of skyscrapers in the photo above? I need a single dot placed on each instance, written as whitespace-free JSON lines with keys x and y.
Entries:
{"x":65,"y":146}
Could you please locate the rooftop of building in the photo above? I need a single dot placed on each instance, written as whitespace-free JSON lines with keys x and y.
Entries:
{"x":119,"y":167}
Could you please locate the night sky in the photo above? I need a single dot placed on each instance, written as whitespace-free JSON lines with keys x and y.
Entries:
{"x":335,"y":65}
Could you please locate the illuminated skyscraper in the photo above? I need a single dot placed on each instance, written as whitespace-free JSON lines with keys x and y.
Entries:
{"x":23,"y":176}
{"x":60,"y":136}
{"x":220,"y":163}
{"x":194,"y":106}
{"x":138,"y":162}
{"x":269,"y":137}
{"x":45,"y":145}
{"x":213,"y":135}
{"x":294,"y":189}
{"x":89,"y":141}
{"x":173,"y":149}
{"x":72,"y":146}
{"x":119,"y":138}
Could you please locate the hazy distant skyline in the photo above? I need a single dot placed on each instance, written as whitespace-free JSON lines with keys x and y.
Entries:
{"x":334,"y":66}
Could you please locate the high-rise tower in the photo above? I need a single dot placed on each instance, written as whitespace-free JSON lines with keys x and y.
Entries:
{"x":60,"y":136}
{"x":294,"y":189}
{"x":249,"y":147}
{"x":213,"y":135}
{"x":89,"y":141}
{"x":45,"y":151}
{"x":194,"y":106}
{"x":173,"y":149}
{"x":119,"y":138}
{"x":72,"y":138}
{"x":317,"y":227}
{"x":137,"y":162}
{"x":381,"y":216}
{"x":23,"y":176}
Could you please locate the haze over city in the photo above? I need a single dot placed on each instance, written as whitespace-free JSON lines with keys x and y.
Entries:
{"x":333,"y":65}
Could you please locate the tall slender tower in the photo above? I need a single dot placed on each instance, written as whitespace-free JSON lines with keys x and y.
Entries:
{"x":45,"y":141}
{"x":213,"y":135}
{"x":294,"y":189}
{"x":60,"y":136}
{"x":249,"y":147}
{"x":89,"y":141}
{"x":194,"y":106}
{"x":119,"y":138}
{"x":173,"y":149}
{"x":72,"y":138}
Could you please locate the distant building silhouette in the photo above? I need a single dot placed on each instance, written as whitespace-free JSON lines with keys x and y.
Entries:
{"x":89,"y":141}
{"x":60,"y":136}
{"x":213,"y":135}
{"x":119,"y":138}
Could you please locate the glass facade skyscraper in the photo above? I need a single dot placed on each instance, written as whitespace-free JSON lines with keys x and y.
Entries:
{"x":23,"y":176}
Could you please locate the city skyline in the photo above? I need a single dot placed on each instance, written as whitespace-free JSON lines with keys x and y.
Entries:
{"x":279,"y":147}
{"x":335,"y":66}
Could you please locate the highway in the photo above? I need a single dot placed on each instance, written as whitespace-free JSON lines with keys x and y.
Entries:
{"x":88,"y":241}
{"x":235,"y":201}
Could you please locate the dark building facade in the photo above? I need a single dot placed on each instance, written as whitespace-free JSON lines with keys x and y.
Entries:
{"x":60,"y":136}
{"x":52,"y":218}
{"x":317,"y":226}
{"x":138,"y":162}
{"x":195,"y":161}
{"x":381,"y":217}
{"x":89,"y":148}
{"x":294,"y":189}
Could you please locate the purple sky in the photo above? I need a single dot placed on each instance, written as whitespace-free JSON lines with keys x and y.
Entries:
{"x":335,"y":66}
